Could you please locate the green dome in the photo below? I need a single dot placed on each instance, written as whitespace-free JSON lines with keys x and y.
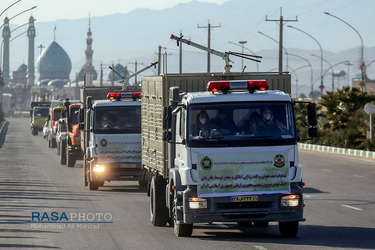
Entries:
{"x":81,"y":74}
{"x":22,"y":68}
{"x":54,"y":63}
{"x":121,"y":70}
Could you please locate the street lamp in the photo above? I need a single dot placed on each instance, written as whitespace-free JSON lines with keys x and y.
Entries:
{"x":280,"y":63}
{"x":333,"y":85}
{"x":9,"y":7}
{"x":311,"y":73}
{"x":243,"y":47}
{"x":363,"y":66}
{"x":321,"y":56}
{"x":18,"y":15}
{"x":242,"y":44}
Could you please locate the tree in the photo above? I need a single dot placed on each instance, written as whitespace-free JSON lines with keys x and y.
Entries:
{"x":344,"y":120}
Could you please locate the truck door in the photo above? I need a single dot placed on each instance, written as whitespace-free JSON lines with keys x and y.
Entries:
{"x":180,"y":136}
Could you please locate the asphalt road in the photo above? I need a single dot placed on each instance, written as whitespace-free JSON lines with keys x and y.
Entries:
{"x":339,"y":212}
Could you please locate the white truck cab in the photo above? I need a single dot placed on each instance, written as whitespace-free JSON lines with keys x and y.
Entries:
{"x":232,"y":157}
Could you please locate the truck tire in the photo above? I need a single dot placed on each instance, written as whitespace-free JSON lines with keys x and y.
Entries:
{"x":62,"y":153}
{"x":288,"y":228}
{"x":70,"y":161}
{"x":85,"y":181}
{"x":94,"y":185}
{"x":180,"y":230}
{"x":158,"y":208}
{"x":53,"y":143}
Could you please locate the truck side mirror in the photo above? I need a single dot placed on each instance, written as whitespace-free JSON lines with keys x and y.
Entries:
{"x":89,"y":102}
{"x":31,"y":112}
{"x":49,"y":118}
{"x":313,"y":132}
{"x":167,"y":136}
{"x":81,"y":115}
{"x":167,"y":117}
{"x":311,"y":114}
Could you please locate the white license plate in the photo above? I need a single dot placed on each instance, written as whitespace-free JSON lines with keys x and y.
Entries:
{"x":128,"y":165}
{"x":250,"y":198}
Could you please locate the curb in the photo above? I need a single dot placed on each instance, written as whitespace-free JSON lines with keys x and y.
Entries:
{"x":3,"y":132}
{"x":335,"y":150}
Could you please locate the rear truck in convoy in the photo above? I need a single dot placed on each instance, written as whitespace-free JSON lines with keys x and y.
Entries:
{"x":38,"y":115}
{"x":222,"y":148}
{"x":70,"y":148}
{"x":111,"y":133}
{"x":55,"y":113}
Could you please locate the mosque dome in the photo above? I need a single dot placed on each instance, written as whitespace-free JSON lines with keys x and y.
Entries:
{"x":22,"y":68}
{"x":81,"y":74}
{"x":44,"y":82}
{"x":54,"y":63}
{"x":121,"y":70}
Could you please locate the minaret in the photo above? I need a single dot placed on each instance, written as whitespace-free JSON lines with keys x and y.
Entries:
{"x":6,"y":36}
{"x":89,"y":52}
{"x":30,"y":66}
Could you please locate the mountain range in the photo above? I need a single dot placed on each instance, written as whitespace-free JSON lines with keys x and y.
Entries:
{"x":136,"y":36}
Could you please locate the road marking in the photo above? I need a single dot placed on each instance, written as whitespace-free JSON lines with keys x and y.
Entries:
{"x":359,"y":176}
{"x":355,"y":208}
{"x":220,"y":224}
{"x":327,"y":170}
{"x":260,"y":248}
{"x":306,"y":195}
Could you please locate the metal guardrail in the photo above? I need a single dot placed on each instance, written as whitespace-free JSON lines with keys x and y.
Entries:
{"x":341,"y":151}
{"x":3,"y":132}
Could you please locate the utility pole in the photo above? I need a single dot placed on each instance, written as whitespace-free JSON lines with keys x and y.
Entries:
{"x":159,"y":58}
{"x":281,"y":22}
{"x":135,"y":70}
{"x":209,"y":27}
{"x":180,"y":65}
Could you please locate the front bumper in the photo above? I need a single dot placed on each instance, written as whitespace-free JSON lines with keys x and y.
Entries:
{"x":117,"y":171}
{"x":223,"y":209}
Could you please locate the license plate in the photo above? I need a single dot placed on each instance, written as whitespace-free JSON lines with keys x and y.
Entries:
{"x":251,"y":198}
{"x":128,"y":165}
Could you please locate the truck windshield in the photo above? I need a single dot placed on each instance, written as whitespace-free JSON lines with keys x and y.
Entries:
{"x":117,"y":120}
{"x":241,"y":124}
{"x":42,"y":112}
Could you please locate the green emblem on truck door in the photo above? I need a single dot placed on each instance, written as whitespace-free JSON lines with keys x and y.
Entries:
{"x":279,"y":161}
{"x":206,"y":163}
{"x":103,"y":142}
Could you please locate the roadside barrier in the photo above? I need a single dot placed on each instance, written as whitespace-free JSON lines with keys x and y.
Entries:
{"x":3,"y":132}
{"x":335,"y":150}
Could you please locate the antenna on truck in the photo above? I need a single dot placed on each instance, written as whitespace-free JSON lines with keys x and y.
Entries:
{"x":223,"y":55}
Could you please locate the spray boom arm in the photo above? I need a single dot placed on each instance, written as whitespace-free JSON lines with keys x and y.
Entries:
{"x":224,"y":56}
{"x":125,"y":79}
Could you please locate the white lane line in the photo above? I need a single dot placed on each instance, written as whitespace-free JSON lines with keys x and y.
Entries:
{"x":260,"y":248}
{"x":355,"y":208}
{"x":306,"y":195}
{"x":359,"y":176}
{"x":220,"y":224}
{"x":327,"y":170}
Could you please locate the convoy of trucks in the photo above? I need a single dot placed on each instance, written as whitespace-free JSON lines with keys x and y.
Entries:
{"x":210,"y":147}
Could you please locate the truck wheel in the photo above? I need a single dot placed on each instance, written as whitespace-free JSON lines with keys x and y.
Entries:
{"x":70,"y":160}
{"x":158,"y":208}
{"x":85,"y":181}
{"x":62,"y":153}
{"x":288,"y":228}
{"x":53,"y":143}
{"x":94,"y":185}
{"x":180,"y":230}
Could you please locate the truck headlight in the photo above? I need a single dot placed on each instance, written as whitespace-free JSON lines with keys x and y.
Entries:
{"x":290,"y":201}
{"x":98,"y":168}
{"x":197,"y":203}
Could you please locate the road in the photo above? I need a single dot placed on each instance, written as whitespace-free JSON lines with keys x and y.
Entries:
{"x":340,"y":206}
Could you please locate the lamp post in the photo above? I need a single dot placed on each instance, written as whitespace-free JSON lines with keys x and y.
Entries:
{"x":242,"y":44}
{"x":243,"y":47}
{"x":311,"y":73}
{"x":9,"y":7}
{"x":19,"y":14}
{"x":321,"y":56}
{"x":362,"y":66}
{"x":333,"y":85}
{"x":286,"y":52}
{"x":331,"y":67}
